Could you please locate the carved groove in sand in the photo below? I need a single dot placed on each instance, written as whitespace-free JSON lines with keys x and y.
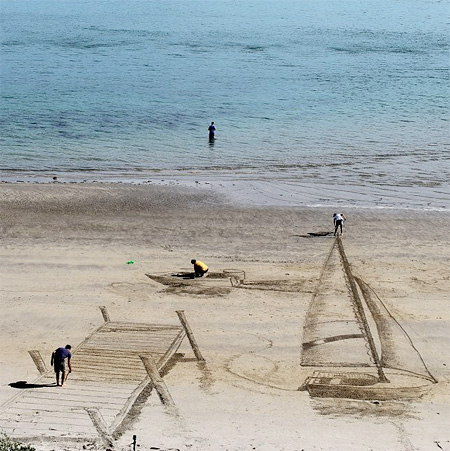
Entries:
{"x":358,"y":348}
{"x":221,"y":283}
{"x":184,"y":283}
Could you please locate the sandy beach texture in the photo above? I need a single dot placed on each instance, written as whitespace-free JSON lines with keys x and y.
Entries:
{"x":64,"y":253}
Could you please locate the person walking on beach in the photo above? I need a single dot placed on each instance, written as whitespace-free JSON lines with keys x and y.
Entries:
{"x":200,"y":269}
{"x":58,"y":362}
{"x":212,"y":131}
{"x":338,"y":220}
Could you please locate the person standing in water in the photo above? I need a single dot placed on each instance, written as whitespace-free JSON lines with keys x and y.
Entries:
{"x":338,"y":219}
{"x":212,"y":131}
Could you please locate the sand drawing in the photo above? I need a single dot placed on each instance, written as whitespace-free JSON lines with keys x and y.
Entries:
{"x":114,"y":368}
{"x":220,"y":283}
{"x":216,"y":284}
{"x":357,"y":348}
{"x":287,"y":286}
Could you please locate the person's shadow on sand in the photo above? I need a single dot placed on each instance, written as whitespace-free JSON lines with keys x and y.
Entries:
{"x":24,"y":385}
{"x":315,"y":234}
{"x":185,"y":275}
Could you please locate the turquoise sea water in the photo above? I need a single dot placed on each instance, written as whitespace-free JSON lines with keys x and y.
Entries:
{"x":346,"y":94}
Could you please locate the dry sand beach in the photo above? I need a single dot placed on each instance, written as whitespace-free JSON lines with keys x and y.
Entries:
{"x":64,"y":253}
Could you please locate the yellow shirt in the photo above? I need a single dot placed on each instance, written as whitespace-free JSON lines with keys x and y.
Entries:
{"x":200,"y":265}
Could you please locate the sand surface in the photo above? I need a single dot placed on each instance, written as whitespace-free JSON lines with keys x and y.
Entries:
{"x":64,"y":253}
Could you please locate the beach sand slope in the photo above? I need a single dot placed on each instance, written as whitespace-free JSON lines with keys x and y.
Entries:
{"x":67,"y":249}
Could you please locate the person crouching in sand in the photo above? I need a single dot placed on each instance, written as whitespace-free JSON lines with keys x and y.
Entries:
{"x":58,"y":362}
{"x":200,"y":269}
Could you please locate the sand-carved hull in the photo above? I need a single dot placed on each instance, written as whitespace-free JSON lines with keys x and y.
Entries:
{"x":365,"y":386}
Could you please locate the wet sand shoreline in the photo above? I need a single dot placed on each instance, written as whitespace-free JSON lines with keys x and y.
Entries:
{"x":275,"y":190}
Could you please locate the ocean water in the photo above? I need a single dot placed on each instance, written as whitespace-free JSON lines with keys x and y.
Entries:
{"x":345,"y":99}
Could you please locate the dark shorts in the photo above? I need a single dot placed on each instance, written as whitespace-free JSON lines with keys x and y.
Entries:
{"x":59,"y":365}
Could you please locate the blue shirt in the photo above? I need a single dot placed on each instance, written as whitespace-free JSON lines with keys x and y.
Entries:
{"x":62,"y":353}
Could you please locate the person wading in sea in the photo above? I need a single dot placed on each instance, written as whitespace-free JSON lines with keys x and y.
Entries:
{"x":212,"y":131}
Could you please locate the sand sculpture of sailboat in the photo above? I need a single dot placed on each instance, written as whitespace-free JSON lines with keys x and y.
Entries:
{"x":357,"y":348}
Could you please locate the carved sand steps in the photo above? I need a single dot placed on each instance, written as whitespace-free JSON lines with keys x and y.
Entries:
{"x":108,"y":376}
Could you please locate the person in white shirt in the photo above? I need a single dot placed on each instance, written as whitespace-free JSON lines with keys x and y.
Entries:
{"x":338,"y":220}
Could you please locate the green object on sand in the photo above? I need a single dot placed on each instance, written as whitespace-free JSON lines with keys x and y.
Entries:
{"x":130,"y":262}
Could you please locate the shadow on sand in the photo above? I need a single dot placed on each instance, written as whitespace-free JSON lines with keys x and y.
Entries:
{"x":315,"y":234}
{"x":25,"y":385}
{"x":184,"y":275}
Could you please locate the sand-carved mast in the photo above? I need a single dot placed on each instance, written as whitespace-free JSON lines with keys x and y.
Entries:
{"x":361,"y":316}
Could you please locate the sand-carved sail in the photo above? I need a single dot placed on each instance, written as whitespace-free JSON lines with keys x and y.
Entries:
{"x":332,"y":334}
{"x":397,"y":349}
{"x":358,"y":348}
